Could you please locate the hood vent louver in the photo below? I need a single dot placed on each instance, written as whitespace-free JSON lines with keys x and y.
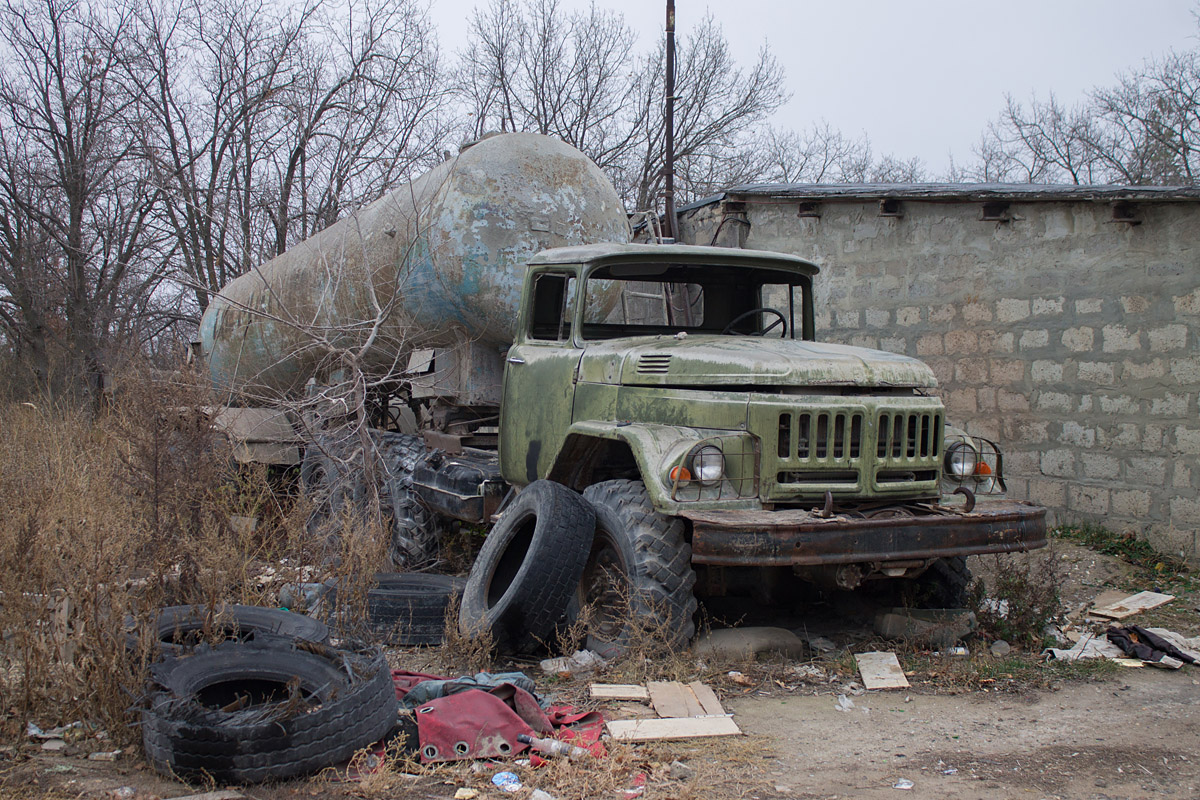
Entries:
{"x":653,"y":364}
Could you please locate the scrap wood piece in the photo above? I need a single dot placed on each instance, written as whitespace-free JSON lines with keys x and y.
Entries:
{"x":618,"y":691}
{"x":673,"y":699}
{"x":707,"y":698}
{"x":1134,"y":604}
{"x":880,"y":670}
{"x":645,"y":730}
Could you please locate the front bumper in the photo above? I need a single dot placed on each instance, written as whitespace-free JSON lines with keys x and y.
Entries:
{"x":802,"y":538}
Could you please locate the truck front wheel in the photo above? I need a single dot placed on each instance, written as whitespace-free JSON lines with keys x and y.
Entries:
{"x":638,"y":578}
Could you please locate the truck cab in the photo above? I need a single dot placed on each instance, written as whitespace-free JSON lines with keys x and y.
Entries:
{"x":692,"y":377}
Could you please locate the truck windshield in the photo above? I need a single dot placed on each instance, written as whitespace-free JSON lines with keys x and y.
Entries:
{"x":648,"y":299}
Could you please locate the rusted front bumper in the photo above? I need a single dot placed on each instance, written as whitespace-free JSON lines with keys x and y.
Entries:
{"x":801,"y":538}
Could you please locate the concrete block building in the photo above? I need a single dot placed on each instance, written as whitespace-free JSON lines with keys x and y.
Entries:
{"x":1061,"y":321}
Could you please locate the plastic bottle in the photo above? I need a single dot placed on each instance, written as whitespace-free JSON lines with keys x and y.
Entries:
{"x":552,"y":747}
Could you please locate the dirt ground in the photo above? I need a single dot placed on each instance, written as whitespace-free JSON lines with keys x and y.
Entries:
{"x":1046,"y":732}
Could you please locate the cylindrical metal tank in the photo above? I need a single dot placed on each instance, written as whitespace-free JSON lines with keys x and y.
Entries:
{"x":433,"y":263}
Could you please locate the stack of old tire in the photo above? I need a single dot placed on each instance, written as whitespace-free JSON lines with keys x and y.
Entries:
{"x":241,"y":694}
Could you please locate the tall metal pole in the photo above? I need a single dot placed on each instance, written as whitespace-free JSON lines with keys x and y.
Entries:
{"x":669,"y":167}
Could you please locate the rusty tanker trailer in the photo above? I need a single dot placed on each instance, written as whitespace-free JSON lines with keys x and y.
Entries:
{"x":438,"y":263}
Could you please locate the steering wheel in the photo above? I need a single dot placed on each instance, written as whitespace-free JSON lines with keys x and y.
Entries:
{"x":778,"y":322}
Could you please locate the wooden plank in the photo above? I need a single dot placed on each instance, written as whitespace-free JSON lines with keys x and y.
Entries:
{"x":645,"y":730}
{"x":1134,"y":604}
{"x":670,"y":698}
{"x":706,"y":697}
{"x":880,"y":671}
{"x":618,"y":691}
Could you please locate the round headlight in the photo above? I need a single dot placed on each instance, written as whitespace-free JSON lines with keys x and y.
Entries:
{"x":708,"y":464}
{"x":960,"y":460}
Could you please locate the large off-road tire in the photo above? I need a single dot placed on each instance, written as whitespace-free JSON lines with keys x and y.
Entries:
{"x":177,"y":629}
{"x":528,"y":568}
{"x":639,"y":570}
{"x":336,"y":491}
{"x":244,"y":713}
{"x":946,"y":583}
{"x":415,"y":529}
{"x":408,"y":608}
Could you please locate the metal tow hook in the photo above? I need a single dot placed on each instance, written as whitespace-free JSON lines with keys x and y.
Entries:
{"x":827,"y":511}
{"x":964,"y":491}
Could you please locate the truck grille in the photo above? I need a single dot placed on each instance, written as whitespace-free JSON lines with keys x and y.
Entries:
{"x":828,"y":449}
{"x":904,"y":436}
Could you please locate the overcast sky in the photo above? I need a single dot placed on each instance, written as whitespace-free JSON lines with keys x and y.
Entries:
{"x":922,"y":77}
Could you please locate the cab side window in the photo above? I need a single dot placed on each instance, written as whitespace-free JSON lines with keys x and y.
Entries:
{"x":553,"y":296}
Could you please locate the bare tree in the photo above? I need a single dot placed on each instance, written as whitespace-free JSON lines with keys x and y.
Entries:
{"x":80,"y":243}
{"x":532,"y":67}
{"x":266,"y":121}
{"x":1151,"y":122}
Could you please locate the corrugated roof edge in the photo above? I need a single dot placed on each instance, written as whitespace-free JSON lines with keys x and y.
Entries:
{"x":949,"y":192}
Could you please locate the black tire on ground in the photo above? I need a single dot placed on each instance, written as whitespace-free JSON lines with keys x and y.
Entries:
{"x":415,"y":529}
{"x":639,"y":568}
{"x":179,"y":628}
{"x":528,"y":568}
{"x":945,"y":584}
{"x":409,"y":608}
{"x":301,"y":710}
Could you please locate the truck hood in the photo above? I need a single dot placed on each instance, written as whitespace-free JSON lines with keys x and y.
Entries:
{"x":747,"y":361}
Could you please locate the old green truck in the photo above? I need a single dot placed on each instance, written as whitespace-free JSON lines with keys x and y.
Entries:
{"x":642,"y":423}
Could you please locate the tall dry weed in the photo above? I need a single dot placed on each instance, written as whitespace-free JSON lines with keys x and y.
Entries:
{"x":105,"y":520}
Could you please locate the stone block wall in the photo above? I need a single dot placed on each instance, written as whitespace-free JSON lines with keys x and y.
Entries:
{"x":1071,"y":340}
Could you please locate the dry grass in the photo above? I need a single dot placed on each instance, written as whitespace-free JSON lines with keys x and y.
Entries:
{"x":108,"y":519}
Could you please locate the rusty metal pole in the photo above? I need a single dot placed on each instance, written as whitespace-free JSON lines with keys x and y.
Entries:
{"x":669,"y":167}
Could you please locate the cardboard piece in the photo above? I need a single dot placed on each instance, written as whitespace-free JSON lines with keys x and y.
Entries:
{"x":644,"y":730}
{"x":880,"y":671}
{"x":618,"y":691}
{"x":1134,"y":604}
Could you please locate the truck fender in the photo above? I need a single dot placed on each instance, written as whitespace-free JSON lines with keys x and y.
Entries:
{"x":597,"y":451}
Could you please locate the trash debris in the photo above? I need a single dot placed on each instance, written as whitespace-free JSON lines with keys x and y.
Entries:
{"x":748,"y":642}
{"x":809,"y":672}
{"x":61,"y":732}
{"x":1152,"y":649}
{"x":638,"y":788}
{"x":538,"y":794}
{"x":581,"y":662}
{"x":952,"y":652}
{"x":844,"y":703}
{"x":1000,"y":648}
{"x":880,"y":670}
{"x":553,"y":747}
{"x":54,"y":745}
{"x":1133,"y":604}
{"x":122,"y":793}
{"x":681,"y":771}
{"x":937,"y":627}
{"x":903,"y":783}
{"x":950,"y":771}
{"x":105,"y":755}
{"x":739,"y":678}
{"x":507,"y":781}
{"x":822,"y":645}
{"x":464,"y":793}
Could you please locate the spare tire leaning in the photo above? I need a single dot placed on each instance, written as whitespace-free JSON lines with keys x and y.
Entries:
{"x":244,"y":713}
{"x":409,"y":608}
{"x":178,"y":628}
{"x":529,"y":568}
